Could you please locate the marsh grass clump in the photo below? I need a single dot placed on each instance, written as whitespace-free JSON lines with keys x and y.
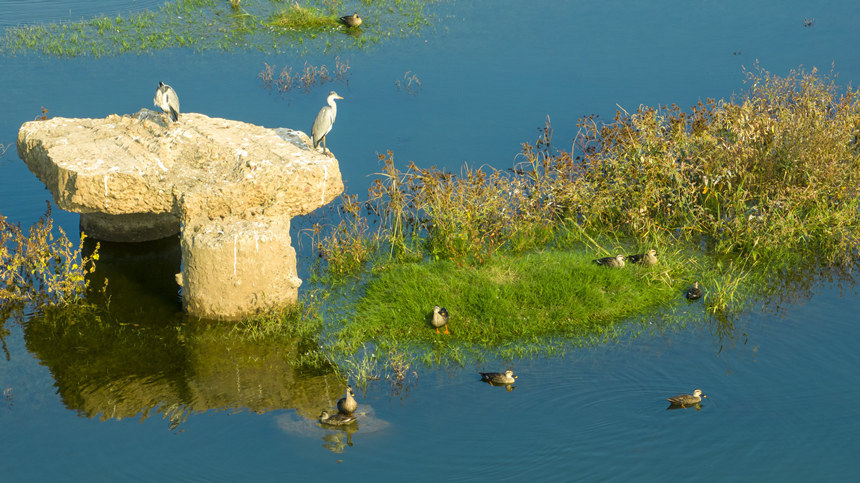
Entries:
{"x":771,"y":172}
{"x":309,"y":77}
{"x":307,"y":17}
{"x":348,"y":247}
{"x":40,"y":268}
{"x":409,"y":83}
{"x":296,"y":327}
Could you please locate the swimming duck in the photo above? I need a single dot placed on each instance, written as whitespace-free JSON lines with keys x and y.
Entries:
{"x":694,"y":293}
{"x":613,"y":262}
{"x":351,"y":20}
{"x":167,"y":100}
{"x":347,"y":404}
{"x":440,"y":318}
{"x":338,"y":419}
{"x":506,"y":377}
{"x":685,"y":400}
{"x":646,"y":259}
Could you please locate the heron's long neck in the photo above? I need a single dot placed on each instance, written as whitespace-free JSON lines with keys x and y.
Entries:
{"x":333,"y":108}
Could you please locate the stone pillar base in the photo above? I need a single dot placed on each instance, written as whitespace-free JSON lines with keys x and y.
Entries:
{"x":235,"y":268}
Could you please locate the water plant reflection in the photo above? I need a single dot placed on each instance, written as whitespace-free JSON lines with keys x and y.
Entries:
{"x":107,"y":369}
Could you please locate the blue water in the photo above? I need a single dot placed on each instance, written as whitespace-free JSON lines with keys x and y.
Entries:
{"x":781,"y":394}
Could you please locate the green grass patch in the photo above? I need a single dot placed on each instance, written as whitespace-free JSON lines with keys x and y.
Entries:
{"x":506,"y":301}
{"x":267,"y":25}
{"x":299,"y":17}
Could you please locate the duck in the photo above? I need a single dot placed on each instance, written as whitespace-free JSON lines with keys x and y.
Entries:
{"x":506,"y":377}
{"x":167,"y":100}
{"x":685,"y":400}
{"x":693,"y":293}
{"x":351,"y":20}
{"x":338,"y":419}
{"x":613,"y":262}
{"x":440,"y":318}
{"x":646,"y":259}
{"x":347,"y":404}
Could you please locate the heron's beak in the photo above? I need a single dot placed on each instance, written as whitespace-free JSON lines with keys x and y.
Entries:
{"x":338,"y":97}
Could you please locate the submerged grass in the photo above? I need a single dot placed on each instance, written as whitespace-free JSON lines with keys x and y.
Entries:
{"x":266,"y":25}
{"x":298,"y":17}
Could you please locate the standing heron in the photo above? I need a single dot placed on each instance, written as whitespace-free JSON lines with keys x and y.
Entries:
{"x":325,"y":120}
{"x":167,"y":100}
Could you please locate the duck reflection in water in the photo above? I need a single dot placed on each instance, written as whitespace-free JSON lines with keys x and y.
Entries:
{"x":337,"y":441}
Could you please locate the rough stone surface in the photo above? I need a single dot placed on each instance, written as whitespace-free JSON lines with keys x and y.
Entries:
{"x":230,"y":185}
{"x":135,"y":164}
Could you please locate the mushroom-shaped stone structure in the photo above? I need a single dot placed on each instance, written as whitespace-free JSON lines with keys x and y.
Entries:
{"x":228,"y":188}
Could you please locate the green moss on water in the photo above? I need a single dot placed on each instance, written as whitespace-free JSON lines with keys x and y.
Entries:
{"x":298,"y":17}
{"x":268,"y":25}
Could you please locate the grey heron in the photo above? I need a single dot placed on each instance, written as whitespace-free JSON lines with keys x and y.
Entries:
{"x":351,"y":20}
{"x":167,"y":100}
{"x":325,"y":120}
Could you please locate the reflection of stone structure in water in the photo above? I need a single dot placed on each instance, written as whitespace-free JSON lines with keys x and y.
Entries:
{"x":231,"y":187}
{"x":140,"y":279}
{"x":110,"y":370}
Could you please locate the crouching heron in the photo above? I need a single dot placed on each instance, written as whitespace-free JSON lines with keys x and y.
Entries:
{"x":324,"y":121}
{"x":167,"y":100}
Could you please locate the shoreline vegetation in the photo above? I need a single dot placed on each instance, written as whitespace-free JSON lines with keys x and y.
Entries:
{"x":266,"y":25}
{"x":746,"y":196}
{"x":741,"y":195}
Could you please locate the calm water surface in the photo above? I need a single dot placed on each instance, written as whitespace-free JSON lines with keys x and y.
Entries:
{"x":93,"y":404}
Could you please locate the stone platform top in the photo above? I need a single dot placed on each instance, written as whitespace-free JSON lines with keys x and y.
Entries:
{"x":139,"y":164}
{"x":228,"y":188}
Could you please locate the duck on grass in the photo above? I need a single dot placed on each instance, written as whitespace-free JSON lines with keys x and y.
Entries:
{"x":510,"y":299}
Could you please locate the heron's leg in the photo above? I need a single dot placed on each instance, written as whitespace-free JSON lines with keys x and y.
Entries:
{"x":323,"y":143}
